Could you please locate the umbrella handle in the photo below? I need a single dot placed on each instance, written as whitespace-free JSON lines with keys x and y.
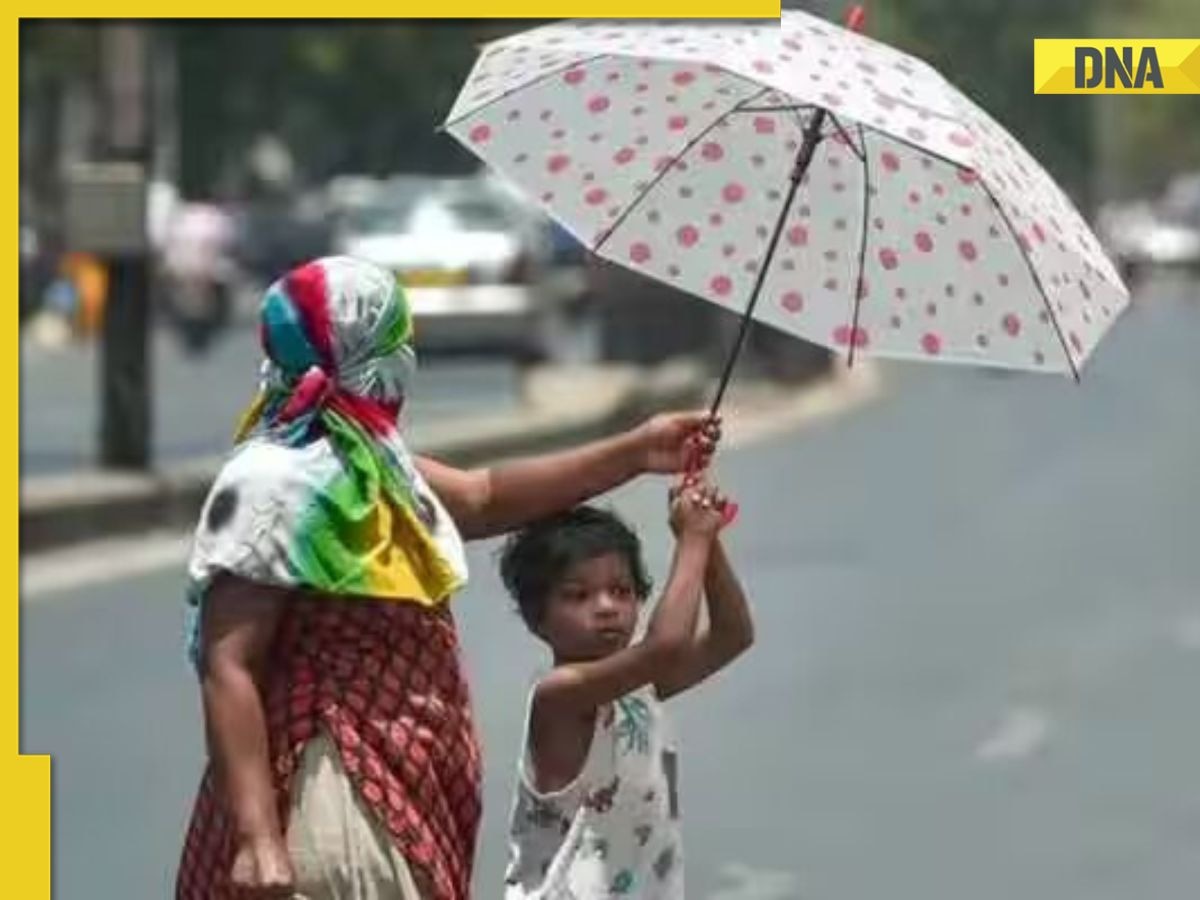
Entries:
{"x":856,"y":17}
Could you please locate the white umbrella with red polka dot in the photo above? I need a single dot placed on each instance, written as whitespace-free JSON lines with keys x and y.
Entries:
{"x":822,"y":182}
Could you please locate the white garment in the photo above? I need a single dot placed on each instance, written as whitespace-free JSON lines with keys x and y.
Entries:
{"x":612,"y":832}
{"x":339,"y":849}
{"x":252,"y":523}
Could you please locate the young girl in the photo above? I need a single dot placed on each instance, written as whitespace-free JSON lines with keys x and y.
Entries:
{"x":596,"y":811}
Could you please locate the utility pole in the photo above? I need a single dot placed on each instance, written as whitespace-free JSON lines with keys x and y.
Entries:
{"x":125,"y":409}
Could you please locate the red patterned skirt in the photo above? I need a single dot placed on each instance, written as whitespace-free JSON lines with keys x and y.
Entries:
{"x":385,"y":682}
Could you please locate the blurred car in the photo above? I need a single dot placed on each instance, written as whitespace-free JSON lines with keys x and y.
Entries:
{"x":1179,"y":210}
{"x":278,"y":233}
{"x":1159,"y":233}
{"x":473,"y":262}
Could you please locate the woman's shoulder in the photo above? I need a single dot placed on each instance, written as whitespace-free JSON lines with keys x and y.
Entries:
{"x":263,"y":467}
{"x":261,"y":459}
{"x":260,"y":477}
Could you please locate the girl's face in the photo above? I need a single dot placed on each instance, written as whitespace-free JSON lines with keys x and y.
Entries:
{"x":592,"y":610}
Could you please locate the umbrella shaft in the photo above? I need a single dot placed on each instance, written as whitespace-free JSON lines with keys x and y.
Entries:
{"x":808,"y":146}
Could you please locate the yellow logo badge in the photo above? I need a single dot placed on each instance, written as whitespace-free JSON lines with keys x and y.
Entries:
{"x":1116,"y":66}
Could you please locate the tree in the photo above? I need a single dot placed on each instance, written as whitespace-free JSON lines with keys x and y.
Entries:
{"x":345,"y":98}
{"x":1146,"y":138}
{"x":985,"y":48}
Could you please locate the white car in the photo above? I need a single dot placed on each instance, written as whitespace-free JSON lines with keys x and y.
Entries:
{"x":1163,"y":233}
{"x":473,"y":265}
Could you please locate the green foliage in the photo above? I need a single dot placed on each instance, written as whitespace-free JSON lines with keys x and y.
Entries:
{"x":1150,"y":138}
{"x":363,"y":98}
{"x":985,"y":48}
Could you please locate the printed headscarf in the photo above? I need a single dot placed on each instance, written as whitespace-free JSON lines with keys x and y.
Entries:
{"x":321,"y":492}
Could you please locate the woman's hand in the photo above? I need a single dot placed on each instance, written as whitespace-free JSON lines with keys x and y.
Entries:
{"x":262,"y":869}
{"x":678,"y":442}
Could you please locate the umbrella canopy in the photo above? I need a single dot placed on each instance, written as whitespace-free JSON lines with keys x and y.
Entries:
{"x":833,"y":186}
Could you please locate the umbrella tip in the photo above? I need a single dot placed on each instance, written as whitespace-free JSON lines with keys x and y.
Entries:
{"x":856,"y":18}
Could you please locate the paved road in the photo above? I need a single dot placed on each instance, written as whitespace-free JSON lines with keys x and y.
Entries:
{"x":979,"y":644}
{"x":197,"y":400}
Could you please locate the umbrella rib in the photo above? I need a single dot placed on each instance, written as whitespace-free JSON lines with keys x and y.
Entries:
{"x":798,"y":108}
{"x":912,"y":145}
{"x":449,"y":123}
{"x":1008,"y":224}
{"x":782,"y":108}
{"x":662,"y":173}
{"x":1036,"y":278}
{"x":861,"y":154}
{"x":862,"y":245}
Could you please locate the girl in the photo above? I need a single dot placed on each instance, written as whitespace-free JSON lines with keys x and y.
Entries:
{"x":596,"y":812}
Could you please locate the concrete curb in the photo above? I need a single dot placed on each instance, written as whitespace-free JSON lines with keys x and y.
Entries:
{"x":563,"y":407}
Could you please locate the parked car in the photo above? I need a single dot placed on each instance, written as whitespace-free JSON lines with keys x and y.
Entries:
{"x":276,"y":234}
{"x":1180,"y":208}
{"x":566,"y":258}
{"x":1164,"y":232}
{"x":473,"y":263}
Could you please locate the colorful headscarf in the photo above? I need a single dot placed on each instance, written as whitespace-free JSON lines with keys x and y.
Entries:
{"x":320,"y":492}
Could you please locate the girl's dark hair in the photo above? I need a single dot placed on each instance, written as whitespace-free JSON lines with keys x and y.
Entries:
{"x":536,"y":558}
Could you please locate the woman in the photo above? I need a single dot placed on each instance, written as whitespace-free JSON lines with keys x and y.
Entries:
{"x":343,"y":758}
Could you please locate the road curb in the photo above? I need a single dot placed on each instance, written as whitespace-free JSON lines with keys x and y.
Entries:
{"x":563,"y":407}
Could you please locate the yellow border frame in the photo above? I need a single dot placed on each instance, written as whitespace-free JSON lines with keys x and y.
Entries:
{"x":458,"y":9}
{"x":25,"y":780}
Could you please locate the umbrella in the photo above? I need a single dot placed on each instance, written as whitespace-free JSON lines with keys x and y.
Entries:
{"x":801,"y":174}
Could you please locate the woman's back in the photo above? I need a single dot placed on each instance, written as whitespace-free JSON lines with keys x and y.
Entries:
{"x":383,"y":681}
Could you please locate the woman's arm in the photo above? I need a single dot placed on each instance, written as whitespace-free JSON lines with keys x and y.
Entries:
{"x":486,"y":502}
{"x":237,"y":631}
{"x":729,"y":633}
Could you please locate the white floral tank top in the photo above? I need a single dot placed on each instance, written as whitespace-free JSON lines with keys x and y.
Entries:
{"x":615,"y":830}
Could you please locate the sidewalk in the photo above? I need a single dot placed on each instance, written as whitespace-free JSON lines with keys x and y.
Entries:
{"x":562,"y":406}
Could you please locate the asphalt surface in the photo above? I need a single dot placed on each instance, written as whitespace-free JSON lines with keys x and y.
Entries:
{"x":975,"y":676}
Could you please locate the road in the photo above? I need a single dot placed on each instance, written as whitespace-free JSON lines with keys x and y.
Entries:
{"x":975,"y":674}
{"x":197,"y":400}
